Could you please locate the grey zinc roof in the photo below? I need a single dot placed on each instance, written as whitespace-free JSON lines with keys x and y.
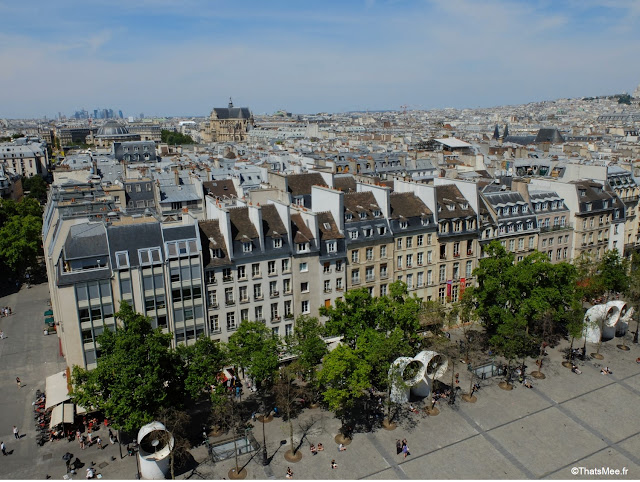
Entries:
{"x":85,"y":240}
{"x":179,"y":232}
{"x":132,"y":237}
{"x":181,"y":193}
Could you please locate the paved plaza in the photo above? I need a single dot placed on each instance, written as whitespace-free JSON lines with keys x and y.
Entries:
{"x":566,"y":421}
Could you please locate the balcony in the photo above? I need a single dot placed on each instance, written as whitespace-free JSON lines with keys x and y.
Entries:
{"x":384,"y":275}
{"x":409,"y":265}
{"x":213,"y":304}
{"x":469,"y":252}
{"x":229,"y":302}
{"x":327,"y":290}
{"x":456,"y":255}
{"x":258,"y":297}
{"x":244,"y":300}
{"x":370,"y":277}
{"x":443,"y":257}
{"x":288,"y":316}
{"x":355,"y":281}
{"x":226,"y":279}
{"x":327,"y":270}
{"x":232,"y":327}
{"x":274,"y":294}
{"x":272,"y":273}
{"x":339,"y":269}
{"x":546,"y":229}
{"x":275,"y":319}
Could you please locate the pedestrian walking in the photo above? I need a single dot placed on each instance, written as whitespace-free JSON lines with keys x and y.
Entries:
{"x":82,"y":444}
{"x":89,"y":438}
{"x":112,"y":438}
{"x":19,"y":382}
{"x":3,"y":448}
{"x":289,"y":473}
{"x":99,"y":442}
{"x":333,"y":464}
{"x":1,"y":335}
{"x":398,"y":447}
{"x":405,"y":450}
{"x":16,"y":434}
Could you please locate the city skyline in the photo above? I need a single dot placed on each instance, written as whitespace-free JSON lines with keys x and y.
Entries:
{"x":167,"y":59}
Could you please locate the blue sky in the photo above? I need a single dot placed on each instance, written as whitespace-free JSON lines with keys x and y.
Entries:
{"x":164,"y":57}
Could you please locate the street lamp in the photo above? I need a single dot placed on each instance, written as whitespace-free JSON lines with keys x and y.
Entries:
{"x":136,"y":450}
{"x":265,"y":460}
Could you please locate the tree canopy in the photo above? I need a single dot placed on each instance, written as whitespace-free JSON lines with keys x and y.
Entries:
{"x":137,"y":373}
{"x":171,"y":137}
{"x":255,"y":348}
{"x":36,"y":186}
{"x":307,"y":344}
{"x":519,"y":294}
{"x":20,"y":234}
{"x":203,"y":363}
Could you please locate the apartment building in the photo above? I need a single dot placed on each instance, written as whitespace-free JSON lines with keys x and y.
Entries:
{"x":624,"y":185}
{"x":514,"y":221}
{"x":556,"y":232}
{"x":24,"y":157}
{"x":415,"y":243}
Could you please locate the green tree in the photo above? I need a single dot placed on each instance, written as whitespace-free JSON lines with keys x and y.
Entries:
{"x":137,"y":373}
{"x":36,"y":186}
{"x":170,"y":137}
{"x":254,"y":348}
{"x":512,"y":341}
{"x":20,"y":241}
{"x":307,"y":344}
{"x":203,"y":363}
{"x":345,"y":376}
{"x":633,"y":291}
{"x":287,"y":394}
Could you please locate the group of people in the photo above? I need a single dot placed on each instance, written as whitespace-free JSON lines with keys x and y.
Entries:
{"x":315,"y":450}
{"x":402,"y":447}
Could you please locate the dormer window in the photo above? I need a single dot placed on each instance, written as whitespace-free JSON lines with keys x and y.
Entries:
{"x":368,"y":232}
{"x":525,"y":209}
{"x":326,"y":226}
{"x":425,"y":221}
{"x":247,"y":247}
{"x":583,"y":192}
{"x":348,"y":216}
{"x":554,"y":205}
{"x":377,"y":213}
{"x":353,"y":234}
{"x":403,"y":224}
{"x":589,"y":206}
{"x":382,"y":230}
{"x":605,"y":204}
{"x":464,"y":205}
{"x":363,"y":215}
{"x":331,"y":246}
{"x":451,"y":207}
{"x":277,"y":243}
{"x":303,"y":247}
{"x":545,"y":205}
{"x":216,"y":253}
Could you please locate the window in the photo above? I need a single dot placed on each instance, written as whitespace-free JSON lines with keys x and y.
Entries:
{"x":383,"y":290}
{"x":228,"y":296}
{"x":231,"y":321}
{"x":286,"y":266}
{"x":242,"y":293}
{"x":428,"y":238}
{"x":214,"y":324}
{"x":327,"y":286}
{"x":255,"y":270}
{"x":274,"y":312}
{"x":331,"y":246}
{"x":443,"y":273}
{"x":305,"y":307}
{"x":410,"y":281}
{"x":304,"y":287}
{"x":382,"y":230}
{"x":242,"y":272}
{"x":512,"y":244}
{"x":441,"y":294}
{"x":383,"y":251}
{"x":304,"y":267}
{"x":273,"y":288}
{"x":257,"y":291}
{"x":271,"y":267}
{"x":399,"y":243}
{"x":429,"y":277}
{"x":287,"y":309}
{"x":420,"y":279}
{"x":409,"y":260}
{"x":149,"y":256}
{"x":420,"y":239}
{"x":429,"y":257}
{"x":257,"y":311}
{"x":355,"y":256}
{"x":403,"y":224}
{"x":288,"y":329}
{"x":456,"y":250}
{"x":456,"y":270}
{"x":353,"y":234}
{"x":368,"y":232}
{"x":339,"y":284}
{"x":277,"y":243}
{"x":399,"y":262}
{"x":521,"y":243}
{"x":469,"y":270}
{"x":369,"y":254}
{"x":247,"y":247}
{"x":419,"y":259}
{"x":122,"y":259}
{"x":369,"y":274}
{"x":302,"y":247}
{"x":286,"y":285}
{"x":550,"y":241}
{"x":362,"y":215}
{"x":355,"y":276}
{"x":338,"y":266}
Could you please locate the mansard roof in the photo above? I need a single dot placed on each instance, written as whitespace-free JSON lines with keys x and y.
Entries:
{"x":448,"y":195}
{"x":345,"y":183}
{"x":299,"y":230}
{"x":407,"y":205}
{"x":241,"y":226}
{"x":300,"y":184}
{"x":220,"y":189}
{"x":358,"y":202}
{"x":212,"y":239}
{"x":272,"y":224}
{"x":332,"y":232}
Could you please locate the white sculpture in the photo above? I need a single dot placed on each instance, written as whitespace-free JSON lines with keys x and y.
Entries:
{"x":155,"y":444}
{"x":617,"y":315}
{"x":432,"y":366}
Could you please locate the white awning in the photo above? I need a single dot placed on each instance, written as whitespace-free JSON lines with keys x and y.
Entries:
{"x":62,"y":413}
{"x":56,"y":389}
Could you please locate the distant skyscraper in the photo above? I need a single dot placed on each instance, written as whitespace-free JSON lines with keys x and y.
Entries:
{"x":95,"y":113}
{"x":141,"y":115}
{"x":120,"y":114}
